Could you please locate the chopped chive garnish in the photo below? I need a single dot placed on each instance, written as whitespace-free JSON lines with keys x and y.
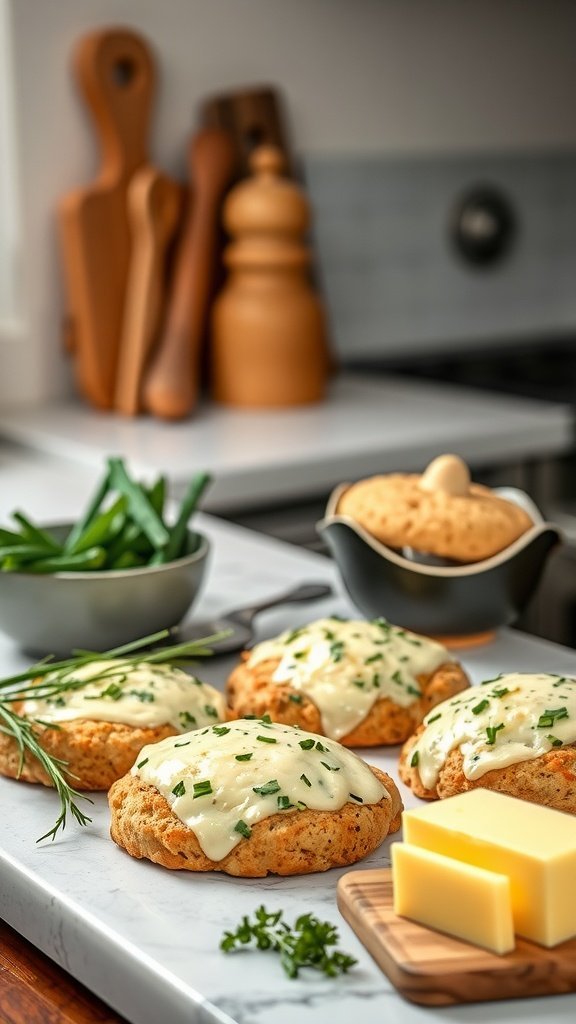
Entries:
{"x":220,"y":730}
{"x":373,"y":657}
{"x":210,"y":711}
{"x":186,"y":718}
{"x":480,"y":707}
{"x":321,"y":747}
{"x":551,"y":716}
{"x":186,"y":743}
{"x":202,"y":788}
{"x":266,"y":739}
{"x":306,"y":744}
{"x":302,"y":806}
{"x":554,"y":741}
{"x":500,"y":692}
{"x":329,"y":767}
{"x":415,"y":759}
{"x":357,"y":798}
{"x":304,"y":779}
{"x":243,"y":757}
{"x":243,"y":829}
{"x":284,"y":803}
{"x":491,"y":731}
{"x":268,"y":788}
{"x":142,"y":763}
{"x":295,"y":698}
{"x":179,"y":789}
{"x":337,"y":650}
{"x":433,"y":719}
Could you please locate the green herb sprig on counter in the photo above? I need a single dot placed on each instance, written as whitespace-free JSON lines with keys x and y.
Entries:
{"x":306,"y":944}
{"x":57,"y":678}
{"x":123,"y":527}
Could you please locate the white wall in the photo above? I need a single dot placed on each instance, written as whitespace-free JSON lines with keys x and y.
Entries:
{"x":386,"y":76}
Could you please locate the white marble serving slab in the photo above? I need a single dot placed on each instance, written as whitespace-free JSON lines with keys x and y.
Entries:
{"x":146,"y":940}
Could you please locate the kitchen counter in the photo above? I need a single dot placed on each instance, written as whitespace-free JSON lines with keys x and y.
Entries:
{"x":367,"y":425}
{"x":146,"y":940}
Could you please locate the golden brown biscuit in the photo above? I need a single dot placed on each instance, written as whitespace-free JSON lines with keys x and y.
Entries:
{"x":515,"y":734}
{"x":549,"y":779}
{"x":464,"y":527}
{"x":252,"y":691}
{"x":100,"y":716}
{"x":96,"y":753}
{"x":290,"y":843}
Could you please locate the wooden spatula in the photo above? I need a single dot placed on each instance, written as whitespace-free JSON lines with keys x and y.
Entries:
{"x":172,"y":383}
{"x":154,"y":203}
{"x":115,"y":73}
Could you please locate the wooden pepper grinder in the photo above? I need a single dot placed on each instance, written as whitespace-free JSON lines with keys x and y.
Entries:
{"x":269,"y":344}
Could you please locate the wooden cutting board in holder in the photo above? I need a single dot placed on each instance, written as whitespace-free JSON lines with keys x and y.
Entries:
{"x":433,"y":969}
{"x":115,"y":73}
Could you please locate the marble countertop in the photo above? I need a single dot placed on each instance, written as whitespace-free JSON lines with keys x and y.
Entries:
{"x":367,"y":425}
{"x":145,"y":939}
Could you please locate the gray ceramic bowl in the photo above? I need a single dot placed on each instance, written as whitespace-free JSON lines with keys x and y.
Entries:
{"x":99,"y":610}
{"x":442,"y":600}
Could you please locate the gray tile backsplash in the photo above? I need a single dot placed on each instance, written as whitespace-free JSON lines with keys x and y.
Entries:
{"x":392,"y":279}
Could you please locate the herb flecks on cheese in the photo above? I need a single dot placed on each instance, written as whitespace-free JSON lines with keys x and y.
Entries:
{"x":214,"y":789}
{"x":345,"y":666}
{"x":505,"y":720}
{"x":145,"y":695}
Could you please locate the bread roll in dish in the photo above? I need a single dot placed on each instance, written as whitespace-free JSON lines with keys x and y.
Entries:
{"x":362,"y":683}
{"x":99,"y":727}
{"x":515,"y":734}
{"x":252,"y":798}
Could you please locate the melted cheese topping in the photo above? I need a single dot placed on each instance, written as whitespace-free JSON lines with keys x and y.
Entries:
{"x":512,"y":718}
{"x":344,"y":667}
{"x":221,"y":781}
{"x":144,"y":695}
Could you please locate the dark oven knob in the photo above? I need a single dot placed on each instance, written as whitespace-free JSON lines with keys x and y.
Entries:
{"x":483,"y":226}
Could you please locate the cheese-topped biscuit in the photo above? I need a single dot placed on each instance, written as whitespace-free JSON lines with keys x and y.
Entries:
{"x":108,"y":711}
{"x":438,"y":513}
{"x":515,"y":734}
{"x":250,"y":798}
{"x":361,"y":682}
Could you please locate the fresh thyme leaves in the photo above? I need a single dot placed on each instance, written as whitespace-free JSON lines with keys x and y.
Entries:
{"x":22,"y":731}
{"x":306,"y":944}
{"x":50,"y":679}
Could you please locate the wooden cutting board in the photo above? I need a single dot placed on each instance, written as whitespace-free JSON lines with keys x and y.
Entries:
{"x":436,"y":970}
{"x":115,"y":72}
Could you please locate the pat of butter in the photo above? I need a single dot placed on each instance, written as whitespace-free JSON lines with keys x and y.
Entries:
{"x":460,"y":899}
{"x":534,"y":846}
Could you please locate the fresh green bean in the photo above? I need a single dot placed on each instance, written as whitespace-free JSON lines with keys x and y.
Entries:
{"x":196,"y":488}
{"x":104,"y":528}
{"x":139,"y":504}
{"x":35,"y":535}
{"x":94,"y":558}
{"x":92,"y":510}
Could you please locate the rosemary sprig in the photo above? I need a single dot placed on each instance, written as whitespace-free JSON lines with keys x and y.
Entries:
{"x":304,"y":945}
{"x":61,"y":680}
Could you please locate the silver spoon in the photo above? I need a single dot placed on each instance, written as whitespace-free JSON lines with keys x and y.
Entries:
{"x":240,"y":620}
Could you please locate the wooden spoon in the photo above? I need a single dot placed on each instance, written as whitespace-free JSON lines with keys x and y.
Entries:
{"x":172,"y":383}
{"x":154,"y":203}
